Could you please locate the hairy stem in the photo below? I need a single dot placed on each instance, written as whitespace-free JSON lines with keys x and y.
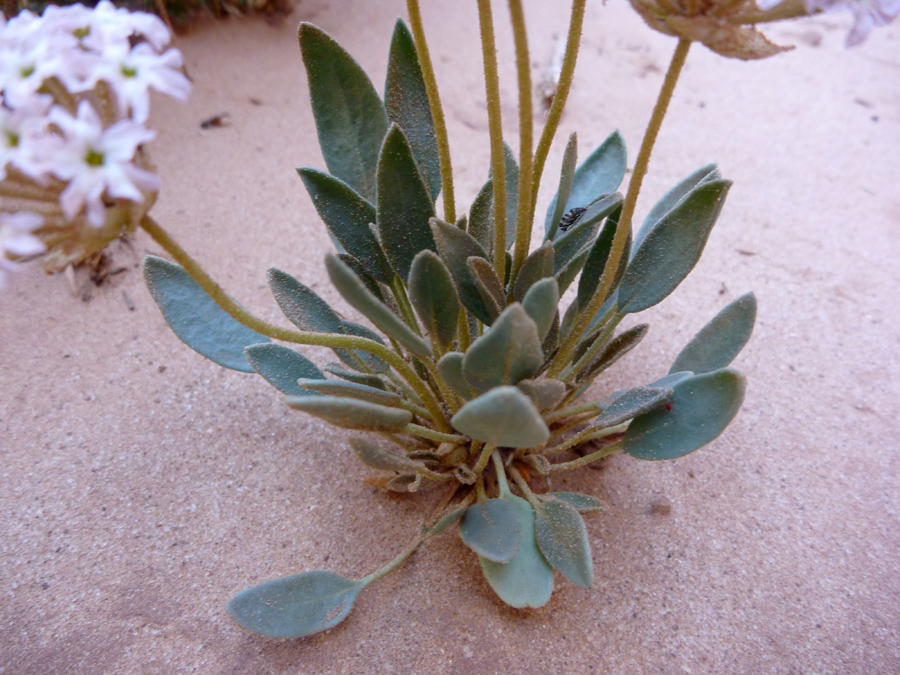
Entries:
{"x":524,"y":217}
{"x":495,"y":125}
{"x":331,"y":340}
{"x":437,"y":111}
{"x":587,"y":459}
{"x":617,"y":249}
{"x":566,"y":75}
{"x":400,"y":559}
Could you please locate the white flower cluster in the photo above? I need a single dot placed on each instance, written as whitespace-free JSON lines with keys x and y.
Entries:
{"x":74,"y":100}
{"x":867,"y":14}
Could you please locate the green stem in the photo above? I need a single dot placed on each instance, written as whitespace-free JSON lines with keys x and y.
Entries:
{"x":415,"y":409}
{"x":526,"y":132}
{"x":437,"y":111}
{"x":573,"y":410}
{"x":331,"y":340}
{"x":406,"y":310}
{"x":502,"y":485}
{"x":566,"y":75}
{"x":587,"y":459}
{"x":483,"y":458}
{"x":495,"y":125}
{"x":523,"y":486}
{"x":433,"y":435}
{"x":598,"y":344}
{"x":404,"y":554}
{"x":617,"y":249}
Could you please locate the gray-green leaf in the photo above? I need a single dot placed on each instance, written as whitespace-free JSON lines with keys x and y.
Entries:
{"x":545,"y":392}
{"x":295,"y":606}
{"x":698,"y":411}
{"x":510,"y":351}
{"x":456,"y":247}
{"x":361,"y":392}
{"x":527,"y":579}
{"x":196,"y":318}
{"x":350,"y":413}
{"x":347,"y":216}
{"x":580,"y":502}
{"x":540,"y":303}
{"x":562,"y":538}
{"x":595,"y":263}
{"x":488,"y":284}
{"x":537,"y":266}
{"x":625,"y":405}
{"x":491,"y":529}
{"x":433,"y":294}
{"x":566,"y":179}
{"x":404,"y":204}
{"x":450,"y":366}
{"x":615,"y":350}
{"x":282,"y":367}
{"x":719,"y":341}
{"x":378,"y":457}
{"x":601,"y":173}
{"x":358,"y":296}
{"x":503,"y":416}
{"x":350,"y":119}
{"x":672,"y":248}
{"x":302,"y":305}
{"x":406,"y":101}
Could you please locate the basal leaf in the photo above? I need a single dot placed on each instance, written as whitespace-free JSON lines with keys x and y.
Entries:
{"x":446,"y":519}
{"x":491,"y":529}
{"x":295,"y":606}
{"x":527,"y":579}
{"x":510,"y":351}
{"x":404,"y":204}
{"x":595,"y":263}
{"x":377,"y":457}
{"x":488,"y":284}
{"x":625,"y":405}
{"x":406,"y":100}
{"x":612,"y":352}
{"x":433,"y":294}
{"x":503,"y":416}
{"x":347,"y":216}
{"x":538,"y":265}
{"x":302,"y":305}
{"x":601,"y":173}
{"x":282,"y":367}
{"x":350,"y":119}
{"x":481,"y":217}
{"x":546,"y":392}
{"x":719,"y":341}
{"x":196,"y":318}
{"x":450,"y":366}
{"x":358,"y":296}
{"x":562,"y":538}
{"x":566,"y":179}
{"x":670,"y":251}
{"x":456,"y":247}
{"x":540,"y":303}
{"x":580,"y":502}
{"x":698,"y":411}
{"x":350,"y":413}
{"x":371,"y":362}
{"x":359,"y":378}
{"x":361,"y":392}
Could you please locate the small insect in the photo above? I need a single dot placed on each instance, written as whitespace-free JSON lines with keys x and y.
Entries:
{"x":570,"y":217}
{"x":219,"y":120}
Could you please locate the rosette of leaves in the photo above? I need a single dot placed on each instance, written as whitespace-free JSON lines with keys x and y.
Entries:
{"x":463,"y":381}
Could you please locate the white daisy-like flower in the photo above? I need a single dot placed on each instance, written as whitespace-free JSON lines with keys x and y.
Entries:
{"x":111,"y":26}
{"x":16,"y":238}
{"x":95,"y":161}
{"x":24,"y":141}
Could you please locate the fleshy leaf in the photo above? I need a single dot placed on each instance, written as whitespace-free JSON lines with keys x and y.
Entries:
{"x":351,"y":376}
{"x":350,"y":413}
{"x":481,"y":216}
{"x":601,"y":173}
{"x":630,"y":403}
{"x":545,"y":392}
{"x":566,"y":179}
{"x":446,"y":519}
{"x":371,"y":361}
{"x":491,"y":529}
{"x":571,"y":249}
{"x":378,"y":457}
{"x":282,"y":367}
{"x":196,"y":318}
{"x":719,"y":341}
{"x":615,"y":350}
{"x":540,"y":303}
{"x":672,"y":197}
{"x":433,"y":294}
{"x":406,"y":101}
{"x":361,"y":392}
{"x":698,"y":411}
{"x":510,"y":351}
{"x":562,"y":538}
{"x":358,"y":296}
{"x":456,"y":247}
{"x":347,"y":216}
{"x":672,"y":248}
{"x":527,"y":579}
{"x":595,"y":263}
{"x":503,"y":416}
{"x":537,"y":266}
{"x":580,"y":502}
{"x":350,"y":119}
{"x":450,"y":366}
{"x":404,"y":204}
{"x":488,"y":284}
{"x":302,"y":305}
{"x":671,"y":379}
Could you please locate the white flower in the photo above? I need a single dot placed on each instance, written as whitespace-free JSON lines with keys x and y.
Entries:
{"x":95,"y":161}
{"x":133,"y":72}
{"x":867,"y":14}
{"x":16,"y":238}
{"x":110,"y":26}
{"x":24,"y":142}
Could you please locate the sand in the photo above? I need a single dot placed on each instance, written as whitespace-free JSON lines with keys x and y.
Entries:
{"x":141,"y":485}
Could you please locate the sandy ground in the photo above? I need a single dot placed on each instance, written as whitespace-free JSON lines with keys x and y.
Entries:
{"x":141,"y":485}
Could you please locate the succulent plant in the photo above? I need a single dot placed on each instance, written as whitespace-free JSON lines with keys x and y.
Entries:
{"x":473,"y":375}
